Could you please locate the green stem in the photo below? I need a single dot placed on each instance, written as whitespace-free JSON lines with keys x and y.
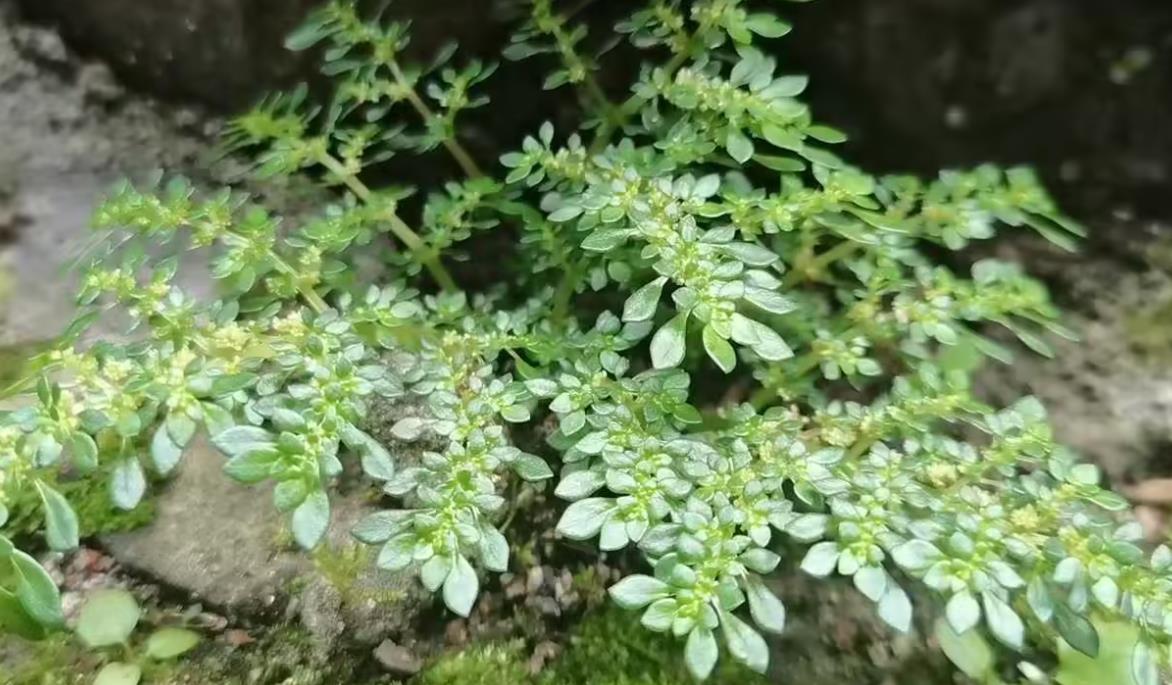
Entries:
{"x":401,"y":230}
{"x":802,"y":272}
{"x":766,"y":394}
{"x":453,"y":146}
{"x":565,"y":291}
{"x":314,"y":300}
{"x":632,"y":104}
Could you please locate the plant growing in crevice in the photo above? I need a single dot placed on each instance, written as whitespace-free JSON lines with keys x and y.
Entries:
{"x":718,"y":236}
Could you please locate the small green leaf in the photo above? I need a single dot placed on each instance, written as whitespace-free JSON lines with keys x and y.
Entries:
{"x":719,"y":349}
{"x":408,"y":428}
{"x":700,"y":652}
{"x":963,"y":612}
{"x":604,"y":240}
{"x":896,"y":609}
{"x":60,"y":520}
{"x":1003,"y":622}
{"x":750,"y":253}
{"x":252,"y":467}
{"x":670,"y":342}
{"x":168,"y":643}
{"x":1076,"y":630}
{"x":745,"y":644}
{"x":660,"y":615}
{"x":108,"y":618}
{"x":15,"y":620}
{"x":767,"y":610}
{"x":641,"y":305}
{"x":376,"y":461}
{"x":127,"y":484}
{"x":226,"y":385}
{"x":165,"y":454}
{"x":289,"y":494}
{"x":240,"y":440}
{"x":967,"y":650}
{"x":306,"y":36}
{"x":767,"y":25}
{"x":380,"y":526}
{"x":494,"y":549}
{"x":637,"y":591}
{"x":821,"y":559}
{"x":738,"y":145}
{"x":583,"y":519}
{"x":580,"y":484}
{"x":311,"y":519}
{"x":119,"y":673}
{"x":36,"y":591}
{"x":461,"y":587}
{"x":531,"y":467}
{"x":1115,"y":664}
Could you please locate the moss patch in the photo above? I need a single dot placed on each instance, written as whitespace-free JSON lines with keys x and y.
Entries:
{"x":608,"y":647}
{"x":90,"y":497}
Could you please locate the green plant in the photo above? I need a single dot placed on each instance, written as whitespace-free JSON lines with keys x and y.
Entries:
{"x":108,"y":620}
{"x":800,"y":289}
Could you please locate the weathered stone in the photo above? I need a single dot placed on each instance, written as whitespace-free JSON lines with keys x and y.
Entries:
{"x":397,"y":660}
{"x":1108,"y":394}
{"x":226,"y":52}
{"x":213,"y":538}
{"x":221,"y":543}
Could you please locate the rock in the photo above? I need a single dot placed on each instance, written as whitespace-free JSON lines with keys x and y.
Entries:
{"x":397,"y":660}
{"x":1108,"y":394}
{"x":219,"y":542}
{"x":1032,"y":78}
{"x":227,"y":52}
{"x":212,"y":538}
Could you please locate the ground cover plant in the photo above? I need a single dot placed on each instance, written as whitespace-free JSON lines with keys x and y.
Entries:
{"x":733,"y":340}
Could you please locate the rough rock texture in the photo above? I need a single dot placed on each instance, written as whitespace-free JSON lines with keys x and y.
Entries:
{"x":225,"y":52}
{"x":221,"y":543}
{"x":67,"y":132}
{"x":212,"y":538}
{"x":834,"y":635}
{"x":1109,"y":394}
{"x":1076,"y":87}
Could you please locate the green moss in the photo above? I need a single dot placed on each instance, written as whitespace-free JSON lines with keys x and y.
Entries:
{"x":608,"y":647}
{"x":90,"y":497}
{"x":344,"y":568}
{"x":1149,"y":332}
{"x":494,"y":664}
{"x":14,"y":361}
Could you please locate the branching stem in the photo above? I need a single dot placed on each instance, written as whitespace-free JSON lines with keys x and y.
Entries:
{"x":401,"y":230}
{"x":453,"y":146}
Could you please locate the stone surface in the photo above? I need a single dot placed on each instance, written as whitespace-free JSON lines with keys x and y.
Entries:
{"x":225,"y":545}
{"x":59,"y":150}
{"x":1109,"y":394}
{"x":1075,"y":87}
{"x":212,"y":538}
{"x":226,"y":52}
{"x":397,"y":660}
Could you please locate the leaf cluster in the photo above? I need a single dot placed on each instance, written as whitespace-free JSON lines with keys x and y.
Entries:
{"x":695,"y":240}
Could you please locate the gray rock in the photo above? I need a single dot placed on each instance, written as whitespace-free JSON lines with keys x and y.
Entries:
{"x":227,"y":52}
{"x":397,"y":660}
{"x":213,"y":538}
{"x":221,"y":543}
{"x":1109,"y":394}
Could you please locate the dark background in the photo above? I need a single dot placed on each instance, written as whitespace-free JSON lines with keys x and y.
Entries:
{"x":1080,"y":88}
